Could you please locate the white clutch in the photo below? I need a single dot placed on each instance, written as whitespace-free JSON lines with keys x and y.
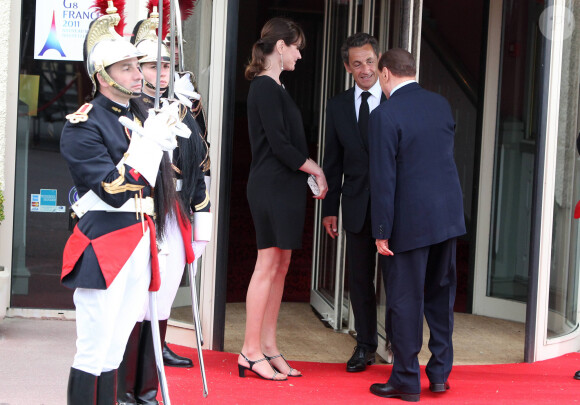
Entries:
{"x":313,"y":185}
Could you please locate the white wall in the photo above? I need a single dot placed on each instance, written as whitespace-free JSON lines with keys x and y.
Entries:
{"x":9,"y":43}
{"x":4,"y":35}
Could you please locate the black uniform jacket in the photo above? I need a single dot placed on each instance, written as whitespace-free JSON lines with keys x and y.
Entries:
{"x":102,"y":241}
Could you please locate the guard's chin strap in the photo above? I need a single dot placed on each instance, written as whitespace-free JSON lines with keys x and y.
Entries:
{"x":152,"y":87}
{"x":114,"y":84}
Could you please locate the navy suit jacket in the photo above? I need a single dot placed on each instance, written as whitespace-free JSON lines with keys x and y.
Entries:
{"x":416,"y":198}
{"x":345,"y":153}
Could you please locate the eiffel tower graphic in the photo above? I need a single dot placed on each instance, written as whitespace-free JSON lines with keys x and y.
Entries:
{"x":52,"y":41}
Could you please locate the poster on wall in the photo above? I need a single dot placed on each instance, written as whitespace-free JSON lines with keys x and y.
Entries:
{"x":61,"y":27}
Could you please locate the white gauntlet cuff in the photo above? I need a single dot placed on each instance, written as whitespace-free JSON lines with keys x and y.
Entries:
{"x":144,"y":156}
{"x":202,"y":226}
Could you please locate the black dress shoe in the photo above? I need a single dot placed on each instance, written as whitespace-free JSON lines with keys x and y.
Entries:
{"x":577,"y":375}
{"x":360,"y":359}
{"x":173,"y":360}
{"x":439,"y":387}
{"x":388,"y":391}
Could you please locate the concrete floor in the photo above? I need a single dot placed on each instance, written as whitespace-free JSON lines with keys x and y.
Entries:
{"x":36,"y":354}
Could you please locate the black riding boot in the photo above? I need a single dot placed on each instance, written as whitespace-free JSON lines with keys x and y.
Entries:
{"x":171,"y":359}
{"x":127,"y":373}
{"x":82,"y":388}
{"x":107,"y":388}
{"x":147,"y":380}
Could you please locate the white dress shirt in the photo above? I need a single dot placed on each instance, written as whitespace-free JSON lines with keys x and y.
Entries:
{"x":374,"y":99}
{"x":401,"y":85}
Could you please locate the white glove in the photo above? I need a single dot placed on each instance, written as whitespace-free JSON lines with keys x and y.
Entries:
{"x":198,"y":247}
{"x":173,"y":110}
{"x":161,"y":126}
{"x":150,"y":141}
{"x":184,"y":90}
{"x":158,"y":128}
{"x":155,"y":132}
{"x":144,"y":154}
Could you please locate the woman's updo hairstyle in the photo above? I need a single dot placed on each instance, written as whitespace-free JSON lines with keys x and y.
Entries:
{"x":274,"y":30}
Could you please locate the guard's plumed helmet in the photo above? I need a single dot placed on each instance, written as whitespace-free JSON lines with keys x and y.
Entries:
{"x":146,"y":40}
{"x":105,"y":47}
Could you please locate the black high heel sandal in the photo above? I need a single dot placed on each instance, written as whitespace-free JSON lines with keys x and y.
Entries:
{"x":270,"y":358}
{"x":242,"y":369}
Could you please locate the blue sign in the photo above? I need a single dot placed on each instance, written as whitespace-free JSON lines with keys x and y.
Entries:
{"x":47,"y":197}
{"x":45,"y":201}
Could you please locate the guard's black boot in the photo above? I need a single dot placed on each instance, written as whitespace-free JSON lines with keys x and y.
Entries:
{"x":170,"y":359}
{"x":127,"y":373}
{"x":107,"y":388}
{"x":147,"y":379}
{"x":82,"y":388}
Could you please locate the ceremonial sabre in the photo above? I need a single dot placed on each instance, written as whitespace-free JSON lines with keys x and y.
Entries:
{"x":157,"y":347}
{"x":179,"y":36}
{"x":172,"y":5}
{"x":175,"y":20}
{"x":191,"y":269}
{"x":159,"y":44}
{"x":153,"y":294}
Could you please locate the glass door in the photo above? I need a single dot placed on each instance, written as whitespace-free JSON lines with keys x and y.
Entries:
{"x":511,"y":134}
{"x":197,"y":44}
{"x":328,"y":264}
{"x":51,"y":85}
{"x":556,"y":327}
{"x":393,"y":23}
{"x":530,"y":254}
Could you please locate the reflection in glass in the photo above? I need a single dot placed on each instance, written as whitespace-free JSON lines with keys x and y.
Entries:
{"x":196,"y":50}
{"x":515,"y":152}
{"x":49,"y":90}
{"x":565,"y":260}
{"x":335,"y":83}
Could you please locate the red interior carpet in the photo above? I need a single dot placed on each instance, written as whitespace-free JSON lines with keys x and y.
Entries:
{"x":544,"y":382}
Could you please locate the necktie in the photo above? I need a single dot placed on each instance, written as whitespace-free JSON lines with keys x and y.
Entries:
{"x":363,"y":116}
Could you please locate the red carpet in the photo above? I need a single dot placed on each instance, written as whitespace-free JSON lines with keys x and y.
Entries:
{"x":545,"y":382}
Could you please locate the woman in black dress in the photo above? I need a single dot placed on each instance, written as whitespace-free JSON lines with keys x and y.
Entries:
{"x":276,"y":192}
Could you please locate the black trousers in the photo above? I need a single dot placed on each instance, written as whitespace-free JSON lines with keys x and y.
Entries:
{"x":361,"y":259}
{"x":420,"y":282}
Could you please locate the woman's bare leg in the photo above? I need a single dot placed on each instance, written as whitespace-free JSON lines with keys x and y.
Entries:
{"x":257,"y":300}
{"x":269,"y":326}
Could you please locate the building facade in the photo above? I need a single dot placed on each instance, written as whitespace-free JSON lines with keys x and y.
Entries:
{"x":510,"y":69}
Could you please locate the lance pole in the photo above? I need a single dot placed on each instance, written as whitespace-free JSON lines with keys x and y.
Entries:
{"x":172,"y":7}
{"x":157,"y":348}
{"x":197,"y":323}
{"x":153,"y":294}
{"x":179,"y":36}
{"x":159,"y":44}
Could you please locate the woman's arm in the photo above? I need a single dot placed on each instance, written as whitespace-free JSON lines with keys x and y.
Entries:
{"x":311,"y":167}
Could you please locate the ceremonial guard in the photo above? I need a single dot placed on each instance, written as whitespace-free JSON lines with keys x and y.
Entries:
{"x":111,"y":257}
{"x":138,"y":380}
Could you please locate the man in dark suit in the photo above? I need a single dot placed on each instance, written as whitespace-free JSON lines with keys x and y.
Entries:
{"x":417,"y":214}
{"x":346,"y":154}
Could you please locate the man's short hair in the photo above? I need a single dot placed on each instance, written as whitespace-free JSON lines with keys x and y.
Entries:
{"x":356,"y":41}
{"x":399,"y":61}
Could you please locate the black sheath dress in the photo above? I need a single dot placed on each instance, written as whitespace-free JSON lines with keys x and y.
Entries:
{"x":276,"y":188}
